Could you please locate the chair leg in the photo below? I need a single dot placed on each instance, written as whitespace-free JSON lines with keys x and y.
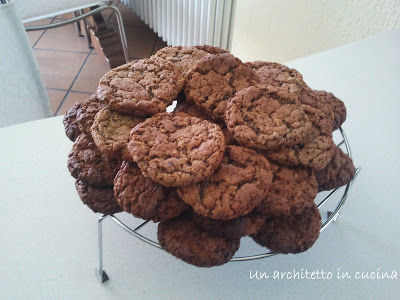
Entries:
{"x":77,"y":25}
{"x":121,"y":31}
{"x":86,"y":31}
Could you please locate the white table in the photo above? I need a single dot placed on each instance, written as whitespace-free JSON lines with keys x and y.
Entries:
{"x":48,"y":238}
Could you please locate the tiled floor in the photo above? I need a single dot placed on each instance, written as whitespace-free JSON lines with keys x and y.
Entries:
{"x":70,"y":70}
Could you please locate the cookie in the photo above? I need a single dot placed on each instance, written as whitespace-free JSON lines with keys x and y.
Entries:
{"x":144,"y":198}
{"x":336,"y":105}
{"x":70,"y":124}
{"x":185,"y":58}
{"x":215,"y":79}
{"x":88,"y":164}
{"x":292,"y":190}
{"x":185,"y":240}
{"x":289,"y":81}
{"x":292,"y":234}
{"x":176,"y":149}
{"x":238,"y":185}
{"x":315,"y":154}
{"x":141,"y":88}
{"x":87,"y":111}
{"x":233,"y":229}
{"x":98,"y":199}
{"x":339,"y":172}
{"x":258,"y":118}
{"x":110,"y":132}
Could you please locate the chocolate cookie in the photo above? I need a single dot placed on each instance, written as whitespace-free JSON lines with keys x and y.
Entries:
{"x":110,"y":132}
{"x":188,"y":242}
{"x":98,"y":199}
{"x":176,"y":149}
{"x":144,"y":198}
{"x":70,"y":124}
{"x":292,"y":190}
{"x":87,"y":111}
{"x":315,"y":154}
{"x":88,"y":164}
{"x":185,"y":58}
{"x":340,"y":171}
{"x":215,"y":79}
{"x":257,"y":118}
{"x":289,"y":81}
{"x":293,"y":234}
{"x":141,"y":88}
{"x":336,"y":105}
{"x":233,"y":229}
{"x":239,"y":184}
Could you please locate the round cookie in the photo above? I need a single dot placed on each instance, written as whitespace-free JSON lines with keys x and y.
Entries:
{"x":233,"y":229}
{"x":339,"y":172}
{"x":88,"y":164}
{"x":292,"y":190}
{"x":239,"y":184}
{"x":87,"y":111}
{"x":315,"y":154}
{"x":289,"y":81}
{"x":70,"y":124}
{"x":141,"y":88}
{"x":185,"y":240}
{"x":176,"y":149}
{"x":336,"y":105}
{"x":185,"y":58}
{"x":98,"y":199}
{"x":110,"y":132}
{"x":257,"y":118}
{"x":293,"y":234}
{"x":144,"y":198}
{"x":215,"y":79}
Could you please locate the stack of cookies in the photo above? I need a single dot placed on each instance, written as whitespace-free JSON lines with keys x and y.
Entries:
{"x":244,"y":153}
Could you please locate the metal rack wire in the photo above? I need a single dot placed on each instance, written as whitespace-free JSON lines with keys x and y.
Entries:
{"x":102,"y":275}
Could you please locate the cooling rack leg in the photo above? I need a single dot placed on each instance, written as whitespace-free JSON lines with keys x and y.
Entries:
{"x":100,"y":273}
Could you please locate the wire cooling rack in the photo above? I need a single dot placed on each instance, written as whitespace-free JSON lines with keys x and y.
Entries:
{"x":332,"y":216}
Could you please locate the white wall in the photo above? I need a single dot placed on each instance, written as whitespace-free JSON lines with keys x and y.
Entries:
{"x":283,"y":30}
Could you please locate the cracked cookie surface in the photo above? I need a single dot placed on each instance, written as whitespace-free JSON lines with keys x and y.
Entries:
{"x":71,"y":126}
{"x":98,"y":199}
{"x":257,"y":118}
{"x":110,"y":132}
{"x":238,"y":185}
{"x":185,"y":240}
{"x":292,"y":234}
{"x":336,"y":105}
{"x":87,"y":111}
{"x":216,"y":78}
{"x":145,"y":198}
{"x":292,"y":190}
{"x":176,"y":149}
{"x":141,"y":88}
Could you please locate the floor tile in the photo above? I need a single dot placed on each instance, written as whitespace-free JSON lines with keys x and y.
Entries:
{"x":140,"y":41}
{"x":34,"y":35}
{"x":71,"y":99}
{"x":129,"y":18}
{"x":159,"y":45}
{"x":66,"y":16}
{"x":63,"y":38}
{"x":55,"y":98}
{"x":95,"y":67}
{"x":59,"y":69}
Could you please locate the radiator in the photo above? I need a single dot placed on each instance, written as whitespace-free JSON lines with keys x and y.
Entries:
{"x":186,"y":22}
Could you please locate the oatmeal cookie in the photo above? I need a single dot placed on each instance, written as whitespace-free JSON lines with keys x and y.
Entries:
{"x":292,"y":234}
{"x":340,"y":171}
{"x":239,"y":184}
{"x":216,"y":78}
{"x":87,"y":111}
{"x":292,"y":190}
{"x":176,"y":149}
{"x":257,"y":118}
{"x":185,"y":240}
{"x":144,"y":198}
{"x":98,"y":199}
{"x":110,"y":132}
{"x":70,"y":124}
{"x":141,"y":88}
{"x":88,"y":164}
